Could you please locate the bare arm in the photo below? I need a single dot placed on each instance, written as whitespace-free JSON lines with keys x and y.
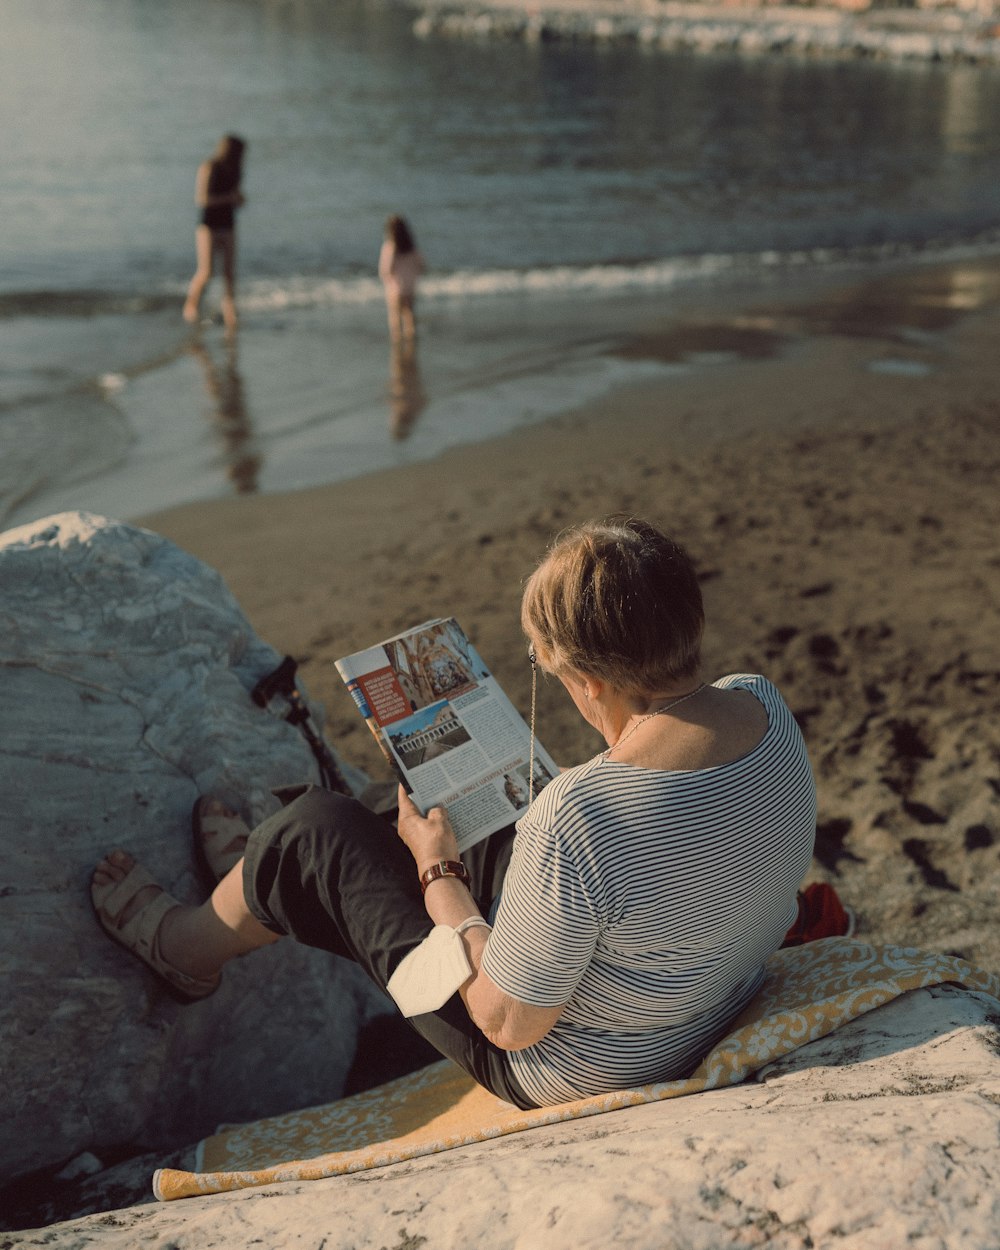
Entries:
{"x":201,"y":184}
{"x":385,"y":259}
{"x":505,"y":1021}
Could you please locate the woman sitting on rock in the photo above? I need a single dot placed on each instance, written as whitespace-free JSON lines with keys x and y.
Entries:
{"x":613,"y":940}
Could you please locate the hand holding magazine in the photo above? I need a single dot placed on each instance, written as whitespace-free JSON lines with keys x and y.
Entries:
{"x":446,"y":727}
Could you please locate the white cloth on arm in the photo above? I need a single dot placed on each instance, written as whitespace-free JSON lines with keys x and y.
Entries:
{"x":647,"y":902}
{"x":427,"y":977}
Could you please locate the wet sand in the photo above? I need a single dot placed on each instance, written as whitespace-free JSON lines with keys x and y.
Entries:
{"x":833,"y":470}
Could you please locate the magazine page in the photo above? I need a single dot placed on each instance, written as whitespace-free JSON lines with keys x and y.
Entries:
{"x":447,"y":728}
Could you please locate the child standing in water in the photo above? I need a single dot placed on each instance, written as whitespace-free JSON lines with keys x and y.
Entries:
{"x":218,"y":194}
{"x":399,"y":266}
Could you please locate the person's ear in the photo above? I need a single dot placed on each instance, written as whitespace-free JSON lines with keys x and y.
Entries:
{"x":592,"y":687}
{"x":586,"y":686}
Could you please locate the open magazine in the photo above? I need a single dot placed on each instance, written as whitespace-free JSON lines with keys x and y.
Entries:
{"x":449,"y":731}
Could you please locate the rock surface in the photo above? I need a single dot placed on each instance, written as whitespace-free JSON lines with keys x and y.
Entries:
{"x":884,"y":1134}
{"x":847,"y":29}
{"x":126,"y":671}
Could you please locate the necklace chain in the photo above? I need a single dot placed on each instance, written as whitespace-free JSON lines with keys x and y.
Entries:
{"x":649,"y":716}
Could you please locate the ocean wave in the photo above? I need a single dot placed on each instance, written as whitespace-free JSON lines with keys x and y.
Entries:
{"x":604,"y":279}
{"x":303,"y":291}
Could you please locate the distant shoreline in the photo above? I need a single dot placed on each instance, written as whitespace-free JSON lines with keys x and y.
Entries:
{"x":678,"y":26}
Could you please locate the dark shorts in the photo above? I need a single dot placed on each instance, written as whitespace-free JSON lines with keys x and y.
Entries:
{"x":330,"y":873}
{"x":221,"y":217}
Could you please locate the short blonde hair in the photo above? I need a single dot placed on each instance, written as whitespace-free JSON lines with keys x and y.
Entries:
{"x":617,"y":600}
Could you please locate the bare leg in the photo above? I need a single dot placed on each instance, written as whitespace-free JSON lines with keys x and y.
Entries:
{"x":226,"y":241}
{"x":393,"y":308}
{"x":202,"y":275}
{"x":407,"y":317}
{"x":197,"y":940}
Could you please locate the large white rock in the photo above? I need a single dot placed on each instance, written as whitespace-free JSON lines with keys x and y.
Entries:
{"x":883,"y":1135}
{"x":125,"y":672}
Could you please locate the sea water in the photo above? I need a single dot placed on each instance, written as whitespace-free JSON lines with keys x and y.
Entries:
{"x":563,"y":194}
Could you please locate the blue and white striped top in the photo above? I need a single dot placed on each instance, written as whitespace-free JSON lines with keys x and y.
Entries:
{"x":647,"y":902}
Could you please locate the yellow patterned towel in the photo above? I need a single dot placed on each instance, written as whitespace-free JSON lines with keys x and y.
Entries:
{"x":809,"y":991}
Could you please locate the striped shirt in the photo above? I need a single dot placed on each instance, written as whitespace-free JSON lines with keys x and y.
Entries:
{"x":647,"y":902}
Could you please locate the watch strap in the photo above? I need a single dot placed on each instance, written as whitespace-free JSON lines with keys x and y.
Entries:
{"x":444,"y":868}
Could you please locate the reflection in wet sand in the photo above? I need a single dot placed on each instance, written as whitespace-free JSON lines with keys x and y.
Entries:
{"x":693,"y":341}
{"x":228,"y":411}
{"x":907,"y":307}
{"x":407,"y":398}
{"x":904,"y":305}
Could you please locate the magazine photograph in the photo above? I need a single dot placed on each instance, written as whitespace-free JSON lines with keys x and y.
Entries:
{"x":447,"y":728}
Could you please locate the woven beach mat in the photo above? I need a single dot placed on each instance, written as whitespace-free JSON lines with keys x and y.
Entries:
{"x":808,"y":992}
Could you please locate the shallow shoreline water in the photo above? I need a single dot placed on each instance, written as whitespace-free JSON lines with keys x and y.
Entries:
{"x":319,"y":396}
{"x":568,"y":197}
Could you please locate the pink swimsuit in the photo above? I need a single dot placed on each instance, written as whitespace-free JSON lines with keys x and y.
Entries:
{"x":400,"y":270}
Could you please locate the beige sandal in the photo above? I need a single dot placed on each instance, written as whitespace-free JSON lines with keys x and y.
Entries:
{"x":218,"y":841}
{"x":140,"y":933}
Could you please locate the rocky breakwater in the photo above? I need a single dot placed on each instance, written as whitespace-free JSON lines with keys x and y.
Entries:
{"x":125,"y":676}
{"x":816,"y":31}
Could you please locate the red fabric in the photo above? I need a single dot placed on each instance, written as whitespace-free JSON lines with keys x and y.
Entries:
{"x":821,"y":914}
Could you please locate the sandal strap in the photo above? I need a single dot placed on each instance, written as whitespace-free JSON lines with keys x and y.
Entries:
{"x":140,"y":934}
{"x":220,"y":832}
{"x":215,"y":835}
{"x":114,"y":900}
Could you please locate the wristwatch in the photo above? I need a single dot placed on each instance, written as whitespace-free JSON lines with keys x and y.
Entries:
{"x":444,"y":868}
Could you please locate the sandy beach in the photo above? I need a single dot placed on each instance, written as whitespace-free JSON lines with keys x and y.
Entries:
{"x":834,"y":474}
